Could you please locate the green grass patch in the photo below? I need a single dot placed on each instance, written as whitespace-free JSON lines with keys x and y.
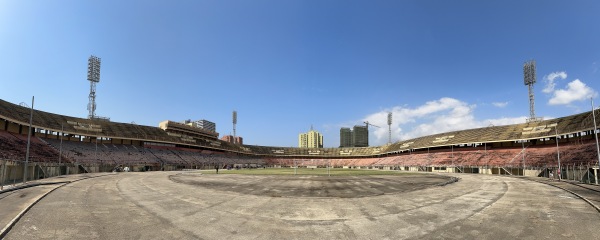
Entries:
{"x":307,"y":171}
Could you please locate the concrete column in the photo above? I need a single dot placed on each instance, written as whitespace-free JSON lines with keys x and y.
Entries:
{"x":596,"y":175}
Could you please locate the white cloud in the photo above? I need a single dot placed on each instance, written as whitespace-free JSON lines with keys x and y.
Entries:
{"x":504,"y":121}
{"x":443,"y":115}
{"x":500,"y":104}
{"x":550,"y":78}
{"x":575,"y":91}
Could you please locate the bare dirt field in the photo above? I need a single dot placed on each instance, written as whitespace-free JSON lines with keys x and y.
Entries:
{"x":307,"y":186}
{"x":192,"y":205}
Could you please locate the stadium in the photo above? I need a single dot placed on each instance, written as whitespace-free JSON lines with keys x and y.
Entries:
{"x":87,"y":146}
{"x":458,"y":159}
{"x":495,"y":176}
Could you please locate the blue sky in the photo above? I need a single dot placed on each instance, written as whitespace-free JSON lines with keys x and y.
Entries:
{"x":286,"y":65}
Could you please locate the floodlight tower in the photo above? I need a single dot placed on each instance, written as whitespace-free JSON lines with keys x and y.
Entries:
{"x":93,"y":77}
{"x":529,"y":80}
{"x":389,"y":127}
{"x":234,"y":123}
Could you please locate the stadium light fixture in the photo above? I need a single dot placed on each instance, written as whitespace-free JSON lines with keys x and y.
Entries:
{"x":596,"y":134}
{"x":62,"y":133}
{"x":523,"y":155}
{"x":94,"y":77}
{"x":530,"y":79}
{"x":28,"y":142}
{"x":557,"y":152}
{"x":389,"y":122}
{"x":234,"y":123}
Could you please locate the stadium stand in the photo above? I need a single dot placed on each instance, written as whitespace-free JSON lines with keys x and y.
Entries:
{"x":85,"y":141}
{"x":13,"y":146}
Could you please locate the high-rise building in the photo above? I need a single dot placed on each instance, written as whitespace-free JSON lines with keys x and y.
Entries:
{"x":231,"y":139}
{"x":203,"y":124}
{"x":311,"y":139}
{"x":345,"y":137}
{"x":360,"y":136}
{"x":302,"y":140}
{"x":357,"y":137}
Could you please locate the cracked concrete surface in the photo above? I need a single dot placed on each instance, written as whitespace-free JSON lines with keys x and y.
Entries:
{"x":169,"y":205}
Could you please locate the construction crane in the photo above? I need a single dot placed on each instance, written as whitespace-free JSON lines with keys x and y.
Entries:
{"x":367,"y":128}
{"x":367,"y":123}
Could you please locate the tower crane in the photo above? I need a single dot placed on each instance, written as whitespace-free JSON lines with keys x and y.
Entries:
{"x":367,"y":123}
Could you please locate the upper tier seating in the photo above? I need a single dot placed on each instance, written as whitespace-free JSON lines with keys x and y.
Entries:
{"x":14,"y":147}
{"x":582,"y":153}
{"x":501,"y":137}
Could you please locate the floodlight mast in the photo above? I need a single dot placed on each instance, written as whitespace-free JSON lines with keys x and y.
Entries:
{"x":530,"y":79}
{"x":234,"y":123}
{"x":389,"y":122}
{"x":93,"y":77}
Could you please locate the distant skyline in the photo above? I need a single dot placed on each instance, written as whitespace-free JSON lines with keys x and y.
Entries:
{"x":286,"y":65}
